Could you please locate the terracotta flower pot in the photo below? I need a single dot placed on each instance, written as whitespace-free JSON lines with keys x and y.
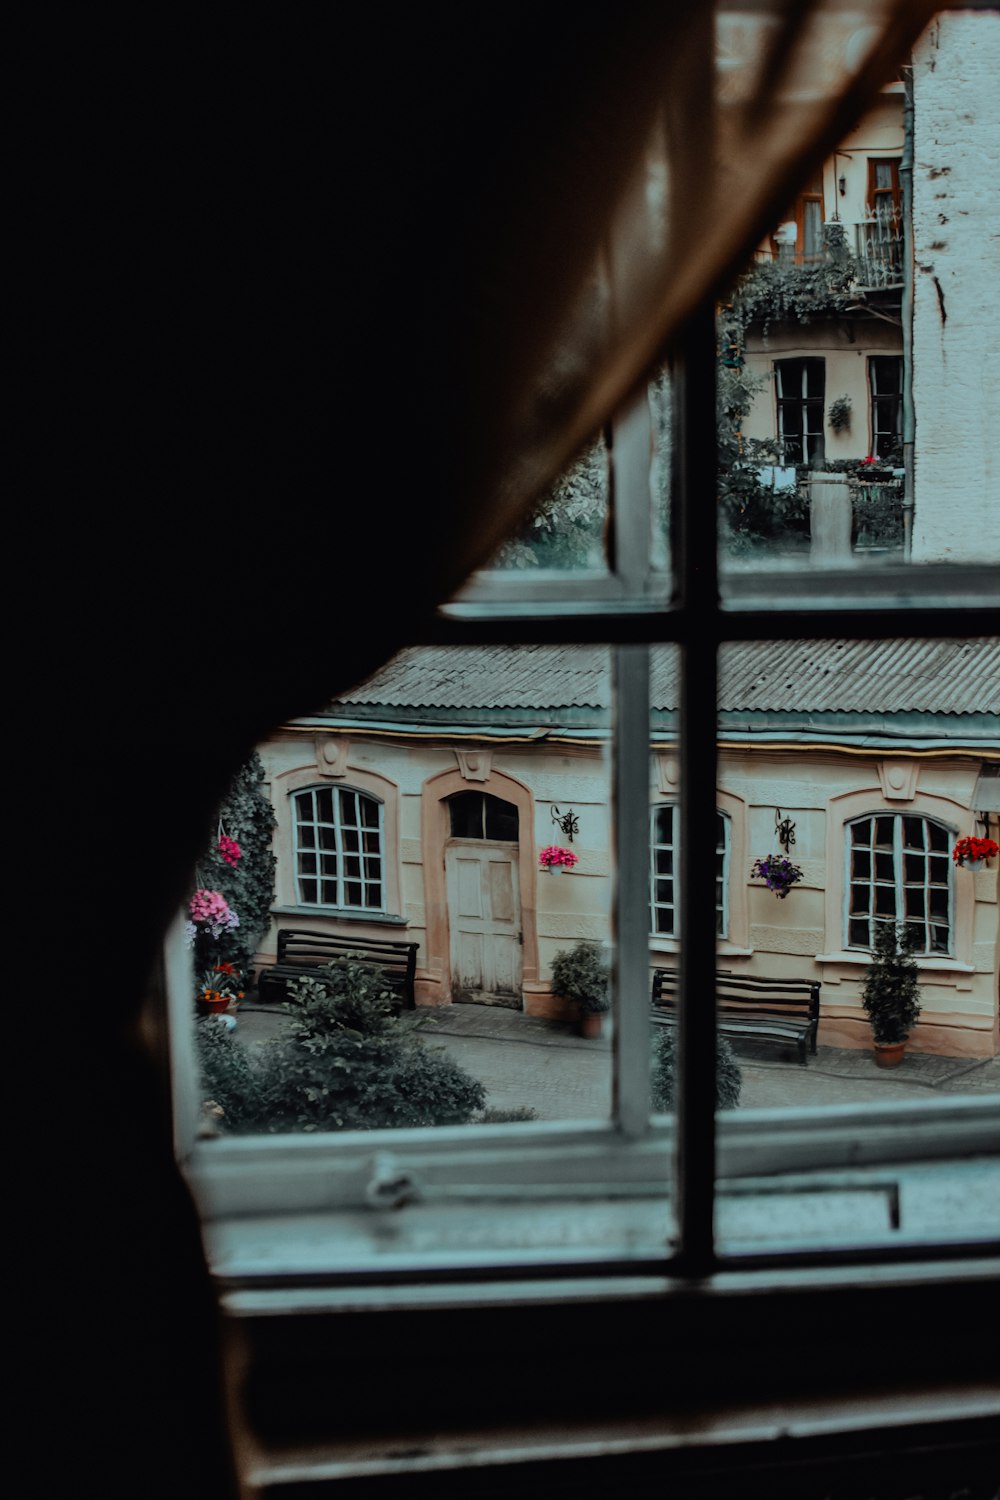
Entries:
{"x":889,"y":1054}
{"x":590,"y":1024}
{"x":212,"y":1007}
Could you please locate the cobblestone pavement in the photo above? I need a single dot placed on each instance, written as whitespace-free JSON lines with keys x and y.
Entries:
{"x":546,"y":1066}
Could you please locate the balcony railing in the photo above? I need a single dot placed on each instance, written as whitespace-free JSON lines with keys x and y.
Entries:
{"x":879,"y":250}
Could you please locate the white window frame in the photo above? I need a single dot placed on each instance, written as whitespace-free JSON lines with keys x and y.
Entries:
{"x":248,"y":1186}
{"x":899,"y":885}
{"x":722,"y":880}
{"x":299,"y":849}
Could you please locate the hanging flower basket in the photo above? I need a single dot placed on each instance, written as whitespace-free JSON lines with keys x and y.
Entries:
{"x":556,"y":859}
{"x":971,"y":853}
{"x":778,"y":873}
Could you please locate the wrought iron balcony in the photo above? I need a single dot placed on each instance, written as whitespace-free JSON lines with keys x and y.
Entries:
{"x":879,"y":250}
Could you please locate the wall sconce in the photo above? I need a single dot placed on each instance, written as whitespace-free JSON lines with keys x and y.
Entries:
{"x":842,"y":184}
{"x":568,"y":823}
{"x":784,"y":830}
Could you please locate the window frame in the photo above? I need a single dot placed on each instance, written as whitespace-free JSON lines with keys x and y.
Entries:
{"x":879,"y":399}
{"x":812,"y":452}
{"x":899,"y":853}
{"x":341,"y":880}
{"x":723,"y":880}
{"x":237,"y":1181}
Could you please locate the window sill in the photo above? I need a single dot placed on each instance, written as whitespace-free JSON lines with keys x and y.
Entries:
{"x":724,"y":948}
{"x":341,"y":914}
{"x":926,"y":964}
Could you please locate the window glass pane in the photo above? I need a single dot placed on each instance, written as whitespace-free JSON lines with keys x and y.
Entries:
{"x":450,"y":814}
{"x":884,"y":465}
{"x":873,"y":818}
{"x":873,"y":809}
{"x":567,"y":528}
{"x":575,"y":529}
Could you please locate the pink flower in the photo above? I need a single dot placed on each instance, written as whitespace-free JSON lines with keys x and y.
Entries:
{"x":554,"y":855}
{"x":230,"y":850}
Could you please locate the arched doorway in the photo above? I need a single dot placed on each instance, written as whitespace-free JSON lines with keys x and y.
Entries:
{"x":481,"y":858}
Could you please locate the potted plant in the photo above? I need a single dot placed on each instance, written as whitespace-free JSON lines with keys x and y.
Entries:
{"x":580,"y":974}
{"x":839,"y":415}
{"x":220,"y":988}
{"x":777,"y":872}
{"x":891,"y":993}
{"x":873,"y":470}
{"x":972,"y":853}
{"x":556,"y":859}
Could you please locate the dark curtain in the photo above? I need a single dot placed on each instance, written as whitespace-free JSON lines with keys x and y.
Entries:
{"x":316,"y":307}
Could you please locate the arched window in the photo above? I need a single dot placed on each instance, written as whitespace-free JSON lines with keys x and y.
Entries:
{"x":899,"y":870}
{"x":664,"y":871}
{"x":338,"y":848}
{"x":480,"y":815}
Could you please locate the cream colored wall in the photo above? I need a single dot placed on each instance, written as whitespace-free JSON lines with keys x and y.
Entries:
{"x":568,"y":907}
{"x":880,"y":133}
{"x":846,"y":375}
{"x":800,"y":936}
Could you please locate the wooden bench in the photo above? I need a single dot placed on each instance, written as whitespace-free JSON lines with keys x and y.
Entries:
{"x":300,"y":951}
{"x":751,"y":1006}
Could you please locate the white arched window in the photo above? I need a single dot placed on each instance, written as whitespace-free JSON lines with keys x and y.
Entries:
{"x":338,"y":848}
{"x":899,"y":870}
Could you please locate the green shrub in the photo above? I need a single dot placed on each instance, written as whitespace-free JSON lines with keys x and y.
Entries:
{"x":346,"y":1064}
{"x":228,"y":1075}
{"x":891,"y":995}
{"x":728,"y":1077}
{"x":580,"y":973}
{"x":507,"y":1116}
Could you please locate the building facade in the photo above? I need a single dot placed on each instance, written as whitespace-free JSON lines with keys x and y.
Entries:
{"x":418,"y":807}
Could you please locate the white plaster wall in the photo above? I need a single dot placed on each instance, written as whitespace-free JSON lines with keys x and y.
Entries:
{"x":956,"y":321}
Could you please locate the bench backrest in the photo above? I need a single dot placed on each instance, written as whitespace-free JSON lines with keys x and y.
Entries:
{"x":297,"y":945}
{"x":737,"y":994}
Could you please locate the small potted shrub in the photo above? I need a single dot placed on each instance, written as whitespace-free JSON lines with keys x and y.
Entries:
{"x":580,"y":974}
{"x":728,"y":1074}
{"x":891,"y":995}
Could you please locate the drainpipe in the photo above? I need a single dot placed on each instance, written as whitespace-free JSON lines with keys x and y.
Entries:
{"x":906,"y":309}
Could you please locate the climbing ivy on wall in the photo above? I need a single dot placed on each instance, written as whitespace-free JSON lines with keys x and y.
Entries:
{"x":244,"y":818}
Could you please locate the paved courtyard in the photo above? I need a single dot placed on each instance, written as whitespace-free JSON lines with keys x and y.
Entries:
{"x":545,"y":1066}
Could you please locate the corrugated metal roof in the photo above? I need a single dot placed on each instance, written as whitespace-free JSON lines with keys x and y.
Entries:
{"x":937,"y":677}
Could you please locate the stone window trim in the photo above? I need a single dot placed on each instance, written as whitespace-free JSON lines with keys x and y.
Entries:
{"x":848,"y":807}
{"x":370,"y":783}
{"x":433,"y":985}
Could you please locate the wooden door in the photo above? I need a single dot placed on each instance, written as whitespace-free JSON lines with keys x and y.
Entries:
{"x":484,"y":915}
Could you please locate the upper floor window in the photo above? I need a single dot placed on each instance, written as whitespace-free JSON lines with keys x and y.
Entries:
{"x":899,"y":870}
{"x":800,"y":386}
{"x":664,"y":871}
{"x":883,"y":188}
{"x":339,"y":848}
{"x":808,"y":221}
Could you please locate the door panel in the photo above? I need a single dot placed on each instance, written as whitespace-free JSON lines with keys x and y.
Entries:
{"x":484,"y":915}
